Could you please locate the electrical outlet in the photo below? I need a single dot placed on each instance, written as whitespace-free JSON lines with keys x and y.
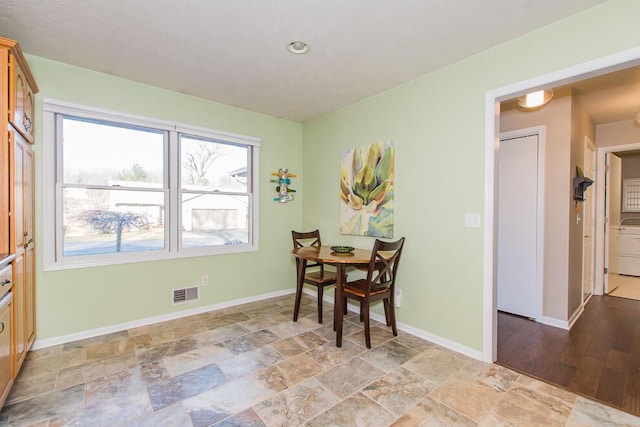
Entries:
{"x":472,"y":220}
{"x":398,"y":297}
{"x":205,"y":280}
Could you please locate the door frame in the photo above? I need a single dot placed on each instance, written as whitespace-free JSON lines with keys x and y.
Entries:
{"x":594,"y":163}
{"x":493,"y":98}
{"x":540,"y":132}
{"x":600,"y":209}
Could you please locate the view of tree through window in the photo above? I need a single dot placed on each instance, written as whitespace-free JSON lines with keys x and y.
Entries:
{"x":215,"y":205}
{"x":116,"y":191}
{"x":113,"y":197}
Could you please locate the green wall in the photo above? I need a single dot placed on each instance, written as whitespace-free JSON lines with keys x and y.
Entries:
{"x":73,"y":301}
{"x":438,"y":124}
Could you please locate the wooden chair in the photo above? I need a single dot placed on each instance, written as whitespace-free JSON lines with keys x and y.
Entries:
{"x":314,"y":273}
{"x":378,"y":285}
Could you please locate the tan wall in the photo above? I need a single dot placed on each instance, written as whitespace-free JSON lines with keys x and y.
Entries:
{"x":581,"y":126}
{"x":617,"y":133}
{"x":556,"y":117}
{"x":621,"y":133}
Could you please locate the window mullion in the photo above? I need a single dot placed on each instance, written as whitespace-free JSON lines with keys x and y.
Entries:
{"x":174,"y":196}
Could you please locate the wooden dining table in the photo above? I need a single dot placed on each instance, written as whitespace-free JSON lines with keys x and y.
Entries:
{"x":324,"y":254}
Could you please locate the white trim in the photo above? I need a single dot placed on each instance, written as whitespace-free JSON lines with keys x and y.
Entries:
{"x":172,"y":250}
{"x":493,"y":97}
{"x":589,"y":145}
{"x":50,"y":234}
{"x":55,"y":106}
{"x":435,"y":339}
{"x":540,"y":132}
{"x":601,"y":152}
{"x":563,"y":324}
{"x":63,"y":339}
{"x":556,"y":323}
{"x":217,"y":134}
{"x":78,"y":110}
{"x":575,"y":316}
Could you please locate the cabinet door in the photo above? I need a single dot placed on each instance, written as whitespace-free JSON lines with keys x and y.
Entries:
{"x":5,"y":347}
{"x":22,"y":244}
{"x":29,"y":297}
{"x":21,"y":102}
{"x":18,"y":149}
{"x":19,"y":323}
{"x":29,"y":245}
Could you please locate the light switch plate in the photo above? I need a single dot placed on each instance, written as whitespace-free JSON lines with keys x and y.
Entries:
{"x":472,"y":220}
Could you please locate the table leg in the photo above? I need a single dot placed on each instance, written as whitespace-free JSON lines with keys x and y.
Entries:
{"x":301,"y":265}
{"x":338,"y":310}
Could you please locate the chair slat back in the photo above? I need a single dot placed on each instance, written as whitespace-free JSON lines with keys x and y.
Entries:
{"x":306,"y":238}
{"x":383,"y":266}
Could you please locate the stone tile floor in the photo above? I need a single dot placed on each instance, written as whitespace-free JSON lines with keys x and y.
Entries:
{"x":251,"y":365}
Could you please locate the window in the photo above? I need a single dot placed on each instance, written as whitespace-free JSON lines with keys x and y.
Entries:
{"x":631,"y":195}
{"x":127,"y":189}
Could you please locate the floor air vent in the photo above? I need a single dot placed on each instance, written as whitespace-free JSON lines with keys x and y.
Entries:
{"x":185,"y":295}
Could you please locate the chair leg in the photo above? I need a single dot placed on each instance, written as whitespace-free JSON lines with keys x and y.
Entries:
{"x":361,"y":312}
{"x":344,"y":306}
{"x":387,"y":317}
{"x":300,"y":266}
{"x":367,"y":330}
{"x":335,"y":308}
{"x":320,"y":295}
{"x":392,"y":318}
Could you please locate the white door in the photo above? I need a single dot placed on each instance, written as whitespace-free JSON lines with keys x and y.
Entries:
{"x":588,"y":223}
{"x":612,"y":195}
{"x":517,"y":225}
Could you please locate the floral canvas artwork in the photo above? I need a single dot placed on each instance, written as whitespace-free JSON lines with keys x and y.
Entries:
{"x":366,"y":190}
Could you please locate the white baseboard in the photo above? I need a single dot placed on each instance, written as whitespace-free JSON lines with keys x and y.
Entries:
{"x":436,"y":339}
{"x":576,"y":315}
{"x":563,"y":324}
{"x":556,"y":323}
{"x":63,"y":339}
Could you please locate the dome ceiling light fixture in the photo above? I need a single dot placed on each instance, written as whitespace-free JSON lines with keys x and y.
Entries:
{"x":535,"y":99}
{"x":298,"y":47}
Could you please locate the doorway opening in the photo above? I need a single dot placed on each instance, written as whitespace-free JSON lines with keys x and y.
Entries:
{"x":618,"y":222}
{"x":599,"y":67}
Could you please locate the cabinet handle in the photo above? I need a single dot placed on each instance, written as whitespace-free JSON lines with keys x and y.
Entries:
{"x":1,"y":327}
{"x":5,"y":282}
{"x":27,"y":122}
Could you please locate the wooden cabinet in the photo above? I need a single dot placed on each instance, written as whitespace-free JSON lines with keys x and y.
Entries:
{"x":17,"y":90}
{"x":21,"y":105}
{"x":23,"y":231}
{"x":6,"y":377}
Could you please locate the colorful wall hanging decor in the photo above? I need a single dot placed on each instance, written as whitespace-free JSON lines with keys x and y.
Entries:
{"x":366,"y":190}
{"x":285,"y":193}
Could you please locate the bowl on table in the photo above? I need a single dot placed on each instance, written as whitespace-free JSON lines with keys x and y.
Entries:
{"x":342,"y":250}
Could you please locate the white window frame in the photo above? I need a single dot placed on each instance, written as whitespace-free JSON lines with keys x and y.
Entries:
{"x":630,"y":194}
{"x":52,"y":206}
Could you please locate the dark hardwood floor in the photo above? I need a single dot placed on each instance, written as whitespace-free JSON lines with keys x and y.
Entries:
{"x":599,"y":358}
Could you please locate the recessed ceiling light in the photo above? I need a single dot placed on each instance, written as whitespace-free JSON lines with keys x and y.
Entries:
{"x":535,"y":99}
{"x":298,"y":47}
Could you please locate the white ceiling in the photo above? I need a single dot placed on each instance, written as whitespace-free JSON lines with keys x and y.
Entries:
{"x":234,"y":52}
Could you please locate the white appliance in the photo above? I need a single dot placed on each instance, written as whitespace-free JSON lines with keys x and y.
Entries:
{"x":629,"y":250}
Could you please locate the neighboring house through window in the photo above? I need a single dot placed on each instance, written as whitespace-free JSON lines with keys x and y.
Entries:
{"x":122,"y":188}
